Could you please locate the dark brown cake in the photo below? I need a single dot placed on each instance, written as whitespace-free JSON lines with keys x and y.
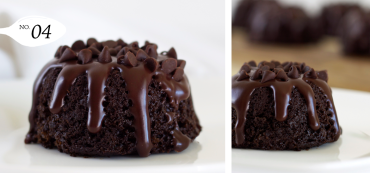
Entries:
{"x":112,"y":98}
{"x":355,"y":32}
{"x":285,"y":106}
{"x":272,"y":23}
{"x":332,"y":15}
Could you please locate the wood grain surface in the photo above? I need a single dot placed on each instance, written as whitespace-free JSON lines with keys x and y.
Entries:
{"x":351,"y":72}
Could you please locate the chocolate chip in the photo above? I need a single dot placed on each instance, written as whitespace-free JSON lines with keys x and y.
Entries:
{"x":169,"y":65}
{"x":151,"y":50}
{"x":302,"y":66}
{"x":178,"y":75}
{"x":311,"y":74}
{"x":146,"y":44}
{"x":172,"y":53}
{"x":280,"y":66}
{"x":298,"y":68}
{"x":285,"y":63}
{"x":130,"y":60}
{"x":305,"y":69}
{"x":85,"y":56}
{"x":293,"y":72}
{"x":268,"y":75}
{"x":112,"y":51}
{"x":78,"y":45}
{"x":104,"y":56}
{"x":95,"y":51}
{"x":118,"y":48}
{"x":90,"y":41}
{"x":120,"y":42}
{"x":67,"y":55}
{"x":271,"y":65}
{"x":57,"y":53}
{"x":151,"y":64}
{"x":181,"y":63}
{"x":281,"y":75}
{"x":323,"y":75}
{"x":262,"y":63}
{"x":276,"y":63}
{"x":98,"y":46}
{"x":123,"y":51}
{"x":246,"y":68}
{"x":110,"y":43}
{"x":141,"y":55}
{"x":62,"y":49}
{"x":252,"y":63}
{"x":265,"y":68}
{"x":257,"y":74}
{"x":287,"y":66}
{"x":134,"y":45}
{"x":242,"y":75}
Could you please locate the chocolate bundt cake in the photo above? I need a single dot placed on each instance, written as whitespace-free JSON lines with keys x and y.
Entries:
{"x":113,"y":98}
{"x":271,"y":23}
{"x":355,"y":33}
{"x":332,"y":16}
{"x":285,"y":106}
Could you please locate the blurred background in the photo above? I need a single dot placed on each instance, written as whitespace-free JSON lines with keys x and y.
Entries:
{"x":194,"y":30}
{"x":345,"y":53}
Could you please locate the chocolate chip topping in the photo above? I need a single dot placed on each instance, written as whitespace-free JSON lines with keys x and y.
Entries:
{"x":169,"y":65}
{"x":242,"y":75}
{"x":98,"y":46}
{"x":95,"y":51}
{"x":61,"y":50}
{"x":85,"y":56}
{"x":252,"y":63}
{"x":305,"y":69}
{"x":178,"y":75}
{"x":151,"y":50}
{"x":130,"y":60}
{"x":181,"y":63}
{"x":120,"y":42}
{"x":267,"y":75}
{"x":257,"y":74}
{"x":310,"y":74}
{"x":90,"y":41}
{"x":246,"y":68}
{"x":141,"y":55}
{"x":57,"y":53}
{"x":287,"y":66}
{"x":134,"y":45}
{"x":104,"y":56}
{"x":78,"y":45}
{"x":67,"y":55}
{"x":293,"y":72}
{"x":281,"y":75}
{"x":323,"y":75}
{"x":151,"y":64}
{"x":112,"y":51}
{"x":172,"y":53}
{"x":110,"y":44}
{"x":265,"y":68}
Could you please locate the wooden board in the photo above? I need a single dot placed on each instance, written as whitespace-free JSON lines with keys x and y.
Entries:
{"x":351,"y":72}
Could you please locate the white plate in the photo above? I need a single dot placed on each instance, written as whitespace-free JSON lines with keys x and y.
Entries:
{"x":206,"y":154}
{"x":351,"y":153}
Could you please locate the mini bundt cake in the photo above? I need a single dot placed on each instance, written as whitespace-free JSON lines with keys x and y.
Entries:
{"x":332,"y":16}
{"x":113,"y":98}
{"x":272,"y":23}
{"x":285,"y":106}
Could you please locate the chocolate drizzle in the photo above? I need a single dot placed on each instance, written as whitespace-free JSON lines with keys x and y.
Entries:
{"x":137,"y":77}
{"x":243,"y":87}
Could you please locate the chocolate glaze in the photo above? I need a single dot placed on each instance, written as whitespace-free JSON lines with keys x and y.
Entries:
{"x":137,"y":81}
{"x":243,"y":89}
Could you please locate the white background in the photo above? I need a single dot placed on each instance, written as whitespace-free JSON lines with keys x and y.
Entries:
{"x":195,"y":28}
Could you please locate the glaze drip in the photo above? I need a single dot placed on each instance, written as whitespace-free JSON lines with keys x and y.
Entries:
{"x":243,"y":87}
{"x":137,"y":81}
